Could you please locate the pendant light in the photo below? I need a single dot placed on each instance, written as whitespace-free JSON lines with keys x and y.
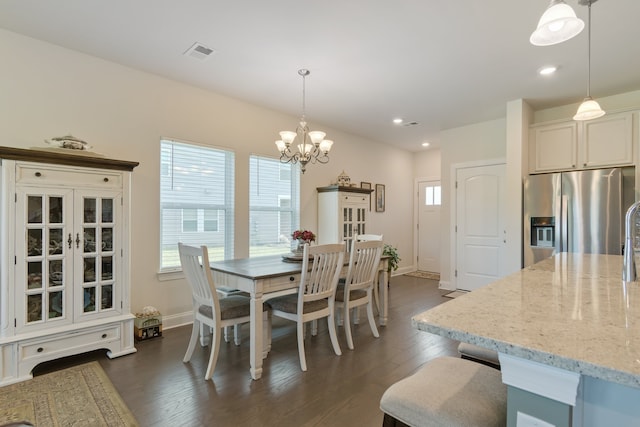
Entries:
{"x":557,"y":24}
{"x":589,"y":109}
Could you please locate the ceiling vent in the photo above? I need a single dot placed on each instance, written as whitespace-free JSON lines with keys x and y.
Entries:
{"x":410,"y":124}
{"x":199,"y":51}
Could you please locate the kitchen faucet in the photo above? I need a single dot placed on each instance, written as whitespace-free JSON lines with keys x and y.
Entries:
{"x":629,"y":263}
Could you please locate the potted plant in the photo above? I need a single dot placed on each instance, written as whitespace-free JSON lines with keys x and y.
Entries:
{"x":394,"y":259}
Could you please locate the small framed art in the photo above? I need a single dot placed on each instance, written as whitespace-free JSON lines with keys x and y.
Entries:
{"x":380,"y":196}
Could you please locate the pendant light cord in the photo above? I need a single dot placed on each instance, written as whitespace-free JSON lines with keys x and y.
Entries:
{"x":589,"y":55}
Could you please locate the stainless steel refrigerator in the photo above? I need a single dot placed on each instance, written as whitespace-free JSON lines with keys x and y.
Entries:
{"x":579,"y":211}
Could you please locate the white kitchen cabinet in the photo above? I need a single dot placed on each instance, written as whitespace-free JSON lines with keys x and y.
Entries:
{"x":603,"y":142}
{"x":343,"y":213}
{"x":608,"y":141}
{"x":64,"y":256}
{"x":553,"y":147}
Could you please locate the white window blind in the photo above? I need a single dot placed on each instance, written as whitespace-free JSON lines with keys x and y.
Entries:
{"x":196,"y":200}
{"x":274,"y":205}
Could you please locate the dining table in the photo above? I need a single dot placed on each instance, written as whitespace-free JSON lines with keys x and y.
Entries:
{"x":271,"y":276}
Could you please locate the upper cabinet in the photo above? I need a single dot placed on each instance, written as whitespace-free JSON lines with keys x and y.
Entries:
{"x":603,"y":142}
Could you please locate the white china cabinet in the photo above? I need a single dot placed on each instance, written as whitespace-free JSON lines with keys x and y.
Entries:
{"x":343,"y":212}
{"x":64,"y":257}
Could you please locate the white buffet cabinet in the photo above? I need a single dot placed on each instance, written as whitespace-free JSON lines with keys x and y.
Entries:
{"x":64,"y":257}
{"x":343,"y":213}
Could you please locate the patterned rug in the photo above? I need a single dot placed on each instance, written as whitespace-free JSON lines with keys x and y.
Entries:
{"x":424,"y":275}
{"x":77,"y":396}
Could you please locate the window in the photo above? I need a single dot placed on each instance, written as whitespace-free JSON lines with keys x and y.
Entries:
{"x":196,"y":200}
{"x":432,"y":195}
{"x":274,"y":211}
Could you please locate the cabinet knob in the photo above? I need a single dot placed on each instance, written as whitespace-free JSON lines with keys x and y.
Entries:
{"x":291,"y":279}
{"x":40,"y":350}
{"x":38,"y":174}
{"x":104,"y":336}
{"x":106,"y":179}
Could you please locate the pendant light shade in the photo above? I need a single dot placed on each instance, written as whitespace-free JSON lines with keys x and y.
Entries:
{"x":557,"y":24}
{"x":589,"y":109}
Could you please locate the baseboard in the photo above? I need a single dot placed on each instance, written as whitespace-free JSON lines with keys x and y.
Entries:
{"x":175,"y":320}
{"x":446,"y":285}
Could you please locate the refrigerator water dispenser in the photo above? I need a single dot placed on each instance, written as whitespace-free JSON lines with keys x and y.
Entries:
{"x":543,"y":231}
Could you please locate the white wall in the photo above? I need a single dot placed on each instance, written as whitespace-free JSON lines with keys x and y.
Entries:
{"x":427,"y":163}
{"x":49,"y":91}
{"x":482,"y":141}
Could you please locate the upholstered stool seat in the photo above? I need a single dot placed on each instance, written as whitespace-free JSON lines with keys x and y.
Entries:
{"x":448,"y":391}
{"x":479,"y":354}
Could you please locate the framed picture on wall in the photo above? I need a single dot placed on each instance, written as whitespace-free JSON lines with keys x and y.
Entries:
{"x":367,"y":185}
{"x":379,"y":197}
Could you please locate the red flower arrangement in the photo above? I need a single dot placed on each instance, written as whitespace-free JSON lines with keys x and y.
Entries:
{"x":304,"y":235}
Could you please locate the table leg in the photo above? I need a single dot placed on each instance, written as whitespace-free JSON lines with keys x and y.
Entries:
{"x":256,"y":328}
{"x":383,"y":288}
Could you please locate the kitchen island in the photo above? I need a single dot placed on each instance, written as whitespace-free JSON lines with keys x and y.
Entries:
{"x":568,"y":333}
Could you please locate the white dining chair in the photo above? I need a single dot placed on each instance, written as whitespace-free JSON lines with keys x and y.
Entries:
{"x":366,"y":238}
{"x":209,"y":309}
{"x":316,"y":294}
{"x":357,"y":289}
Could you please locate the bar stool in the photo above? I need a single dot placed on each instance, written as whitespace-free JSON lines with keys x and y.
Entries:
{"x":447,"y":391}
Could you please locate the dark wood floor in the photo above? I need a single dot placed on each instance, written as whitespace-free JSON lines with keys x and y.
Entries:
{"x":336,"y":391}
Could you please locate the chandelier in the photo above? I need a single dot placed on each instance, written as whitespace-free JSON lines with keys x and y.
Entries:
{"x":311,"y":147}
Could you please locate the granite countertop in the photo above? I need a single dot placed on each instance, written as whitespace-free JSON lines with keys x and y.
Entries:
{"x":571,"y":311}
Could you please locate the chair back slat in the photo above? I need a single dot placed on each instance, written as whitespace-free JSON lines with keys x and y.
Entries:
{"x":363,"y":263}
{"x":195,"y":266}
{"x":321,"y":278}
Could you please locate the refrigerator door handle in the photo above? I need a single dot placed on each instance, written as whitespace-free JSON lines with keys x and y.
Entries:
{"x":564,"y":225}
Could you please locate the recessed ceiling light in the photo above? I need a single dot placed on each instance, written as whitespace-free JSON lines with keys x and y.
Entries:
{"x":547,"y":70}
{"x":425,"y":144}
{"x":397,"y":121}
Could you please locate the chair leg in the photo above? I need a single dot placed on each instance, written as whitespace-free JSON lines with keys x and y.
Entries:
{"x":314,"y":327}
{"x":347,"y":326}
{"x":331,"y":323}
{"x":355,"y":313}
{"x":204,"y":338}
{"x":237,"y":334}
{"x":303,"y":361}
{"x":372,"y":321}
{"x":226,"y":334}
{"x":195,"y":330}
{"x":213,"y":357}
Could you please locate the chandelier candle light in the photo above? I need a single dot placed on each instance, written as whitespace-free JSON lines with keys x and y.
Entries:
{"x":312,"y":147}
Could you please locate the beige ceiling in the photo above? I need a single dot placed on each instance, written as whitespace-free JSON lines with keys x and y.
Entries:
{"x":440,"y":63}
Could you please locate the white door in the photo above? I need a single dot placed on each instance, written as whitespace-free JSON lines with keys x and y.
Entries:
{"x":480,"y":237}
{"x":429,"y":200}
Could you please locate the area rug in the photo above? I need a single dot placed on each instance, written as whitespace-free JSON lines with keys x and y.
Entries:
{"x":455,"y":294}
{"x":77,"y":396}
{"x":424,"y":275}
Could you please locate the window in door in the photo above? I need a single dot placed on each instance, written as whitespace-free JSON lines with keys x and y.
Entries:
{"x":432,"y":195}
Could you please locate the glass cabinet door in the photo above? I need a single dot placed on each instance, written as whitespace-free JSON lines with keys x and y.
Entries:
{"x":44,"y":218}
{"x":97,"y":253}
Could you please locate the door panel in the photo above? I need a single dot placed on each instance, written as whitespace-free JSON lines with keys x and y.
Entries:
{"x":480,"y":237}
{"x":429,"y":200}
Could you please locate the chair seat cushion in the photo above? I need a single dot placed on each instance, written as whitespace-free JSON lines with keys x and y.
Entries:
{"x":230,"y":307}
{"x":289,"y":304}
{"x":449,"y":391}
{"x":353,"y":295}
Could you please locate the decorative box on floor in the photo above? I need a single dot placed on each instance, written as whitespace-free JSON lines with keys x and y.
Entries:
{"x":147,"y":324}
